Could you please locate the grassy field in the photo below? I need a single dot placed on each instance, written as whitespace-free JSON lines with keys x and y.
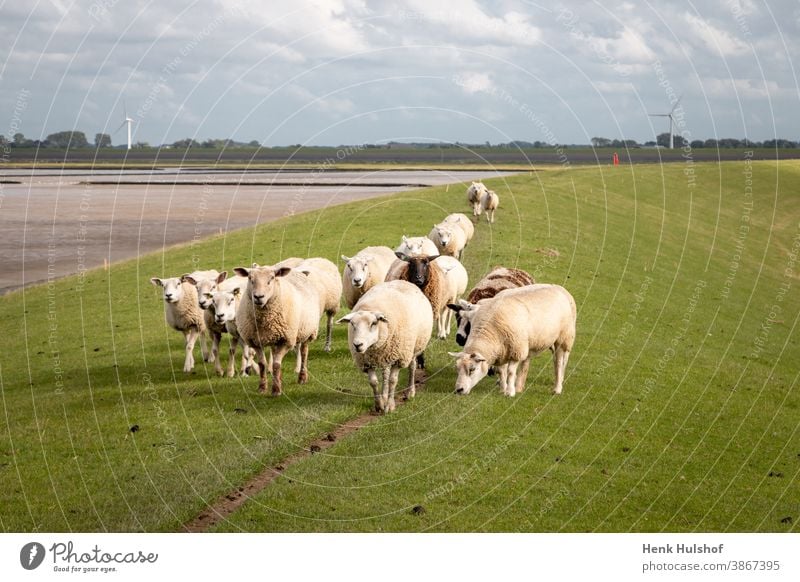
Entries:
{"x":679,"y":412}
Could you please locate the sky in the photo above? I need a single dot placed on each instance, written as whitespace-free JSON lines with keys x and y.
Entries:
{"x":353,"y":71}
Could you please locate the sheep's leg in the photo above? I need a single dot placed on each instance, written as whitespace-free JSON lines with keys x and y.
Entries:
{"x":411,"y":389}
{"x":278,"y":352}
{"x":372,"y":376}
{"x":440,"y":333}
{"x":421,"y":360}
{"x":262,"y":373}
{"x":387,"y":372}
{"x":522,"y":374}
{"x":560,"y":358}
{"x":511,"y":380}
{"x":393,"y":378}
{"x":329,"y":334}
{"x":191,"y":338}
{"x":502,"y":372}
{"x":215,"y":339}
{"x":232,"y":357}
{"x":207,"y":357}
{"x":247,"y":359}
{"x":302,"y":357}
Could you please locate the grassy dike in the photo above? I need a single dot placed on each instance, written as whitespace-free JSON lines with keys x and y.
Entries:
{"x":679,"y":410}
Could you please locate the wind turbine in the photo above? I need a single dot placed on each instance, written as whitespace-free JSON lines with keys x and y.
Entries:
{"x":671,"y":120}
{"x":129,"y":122}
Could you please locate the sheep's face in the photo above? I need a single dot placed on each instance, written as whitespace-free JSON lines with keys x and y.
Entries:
{"x":261,"y":282}
{"x":412,"y":246}
{"x":444,"y":235}
{"x":224,"y":306}
{"x":471,"y":369}
{"x":173,"y":289}
{"x":465,"y":313}
{"x":358,"y":270}
{"x":205,"y":292}
{"x":364,"y":330}
{"x":419,"y":269}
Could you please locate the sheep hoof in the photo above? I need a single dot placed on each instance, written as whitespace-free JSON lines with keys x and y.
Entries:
{"x":302,"y":378}
{"x":277,"y":392}
{"x":262,"y":388}
{"x":327,"y":348}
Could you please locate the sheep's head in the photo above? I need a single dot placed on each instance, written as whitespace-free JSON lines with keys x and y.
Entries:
{"x":173,"y":290}
{"x":261,"y":282}
{"x":418,"y":268}
{"x":224,"y":303}
{"x":443,"y":233}
{"x":465,"y":313}
{"x":471,"y":369}
{"x":364,"y":330}
{"x":357,"y":269}
{"x":206,"y":288}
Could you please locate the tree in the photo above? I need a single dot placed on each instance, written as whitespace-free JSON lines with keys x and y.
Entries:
{"x":663,"y":140}
{"x":102,"y":140}
{"x":697,"y":143}
{"x":255,"y":144}
{"x":20,"y":141}
{"x":601,"y":142}
{"x":68,"y":139}
{"x":185,"y":143}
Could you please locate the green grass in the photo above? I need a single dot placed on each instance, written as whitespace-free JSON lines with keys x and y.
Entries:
{"x":679,"y":411}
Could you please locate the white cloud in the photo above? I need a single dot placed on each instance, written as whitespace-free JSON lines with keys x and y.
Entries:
{"x":474,"y":82}
{"x":715,"y":39}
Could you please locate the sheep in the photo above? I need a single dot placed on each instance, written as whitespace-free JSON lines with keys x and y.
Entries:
{"x":441,"y":278}
{"x":280,"y":309}
{"x":449,"y":239}
{"x":390,"y":327}
{"x":489,"y":202}
{"x":474,"y":193}
{"x":324,"y":275}
{"x":224,"y":307}
{"x":462,"y":221}
{"x":182,"y":313}
{"x":417,"y":246}
{"x":512,"y":328}
{"x":496,"y":280}
{"x":365,"y":270}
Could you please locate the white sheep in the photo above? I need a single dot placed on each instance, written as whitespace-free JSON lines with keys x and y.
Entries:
{"x":390,"y":327}
{"x":182,"y":313}
{"x":280,"y":310}
{"x":365,"y":270}
{"x":464,"y":222}
{"x":324,"y":275}
{"x":449,"y":239}
{"x":474,"y":193}
{"x":512,"y":328}
{"x":440,"y":278}
{"x":489,"y":202}
{"x":417,"y":246}
{"x":224,"y":307}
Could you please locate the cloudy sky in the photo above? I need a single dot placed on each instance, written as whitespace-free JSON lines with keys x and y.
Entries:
{"x":346,"y":72}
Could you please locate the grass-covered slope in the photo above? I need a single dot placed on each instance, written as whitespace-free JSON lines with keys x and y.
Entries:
{"x":679,"y":411}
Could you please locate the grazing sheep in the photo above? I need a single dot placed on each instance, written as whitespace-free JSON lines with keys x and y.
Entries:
{"x":474,"y":193}
{"x":442,"y":279}
{"x":280,"y":309}
{"x":496,"y":280}
{"x":489,"y":202}
{"x":224,"y":307}
{"x":389,"y":329}
{"x":324,"y":275}
{"x":512,"y":328}
{"x":182,"y":313}
{"x":365,"y":270}
{"x":464,"y":222}
{"x":417,"y":246}
{"x":449,"y":239}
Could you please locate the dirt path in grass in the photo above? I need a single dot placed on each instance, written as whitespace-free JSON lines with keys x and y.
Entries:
{"x":234,"y":499}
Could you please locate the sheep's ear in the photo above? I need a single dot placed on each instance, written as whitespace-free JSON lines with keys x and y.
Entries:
{"x":454,"y":307}
{"x":256,"y":265}
{"x":305,"y":272}
{"x":465,"y":304}
{"x":345,"y":319}
{"x":381,"y":317}
{"x":345,"y":259}
{"x":222,"y":276}
{"x":455,"y":354}
{"x":434,"y":257}
{"x":157,"y":282}
{"x":478,"y":357}
{"x":283,"y":271}
{"x":405,"y":238}
{"x":242,"y":271}
{"x":236,"y":291}
{"x":188,"y":279}
{"x":400,"y":255}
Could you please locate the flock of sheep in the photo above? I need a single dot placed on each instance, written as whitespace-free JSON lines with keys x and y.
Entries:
{"x":394,"y":297}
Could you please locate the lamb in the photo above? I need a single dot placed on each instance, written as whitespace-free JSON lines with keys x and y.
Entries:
{"x":365,"y":270}
{"x":449,"y":239}
{"x":280,"y":309}
{"x":324,"y":275}
{"x":496,"y":280}
{"x":512,"y":328}
{"x":389,"y":329}
{"x":224,"y":307}
{"x":462,"y":221}
{"x":489,"y":202}
{"x":474,"y":193}
{"x":417,"y":246}
{"x":441,"y":278}
{"x":182,"y":313}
